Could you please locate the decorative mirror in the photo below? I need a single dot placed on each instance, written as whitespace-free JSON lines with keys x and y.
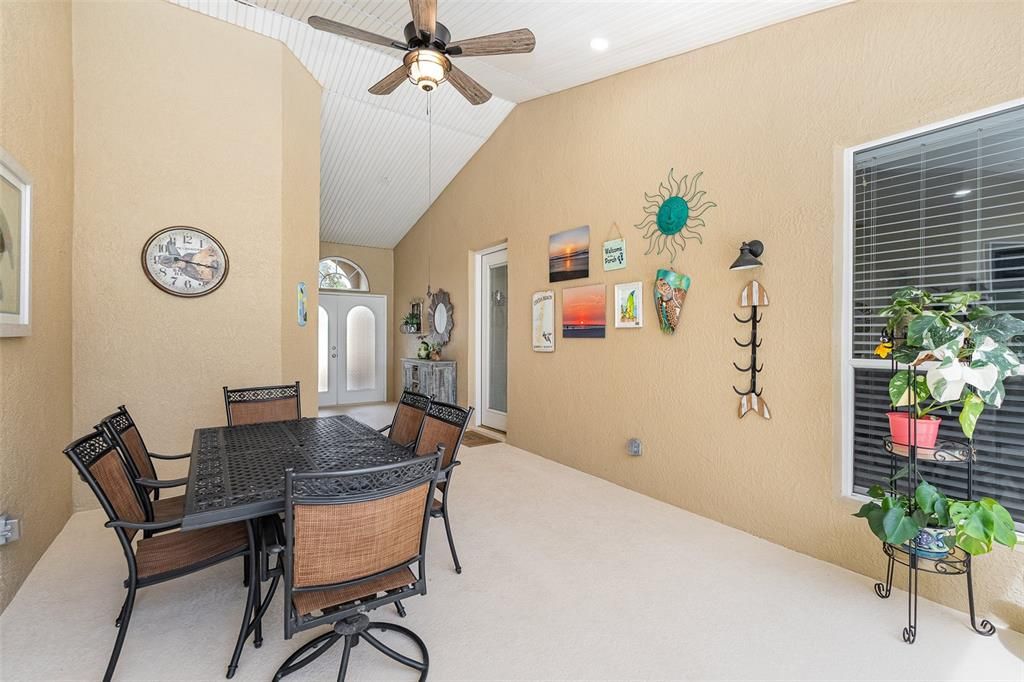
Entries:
{"x":440,"y":316}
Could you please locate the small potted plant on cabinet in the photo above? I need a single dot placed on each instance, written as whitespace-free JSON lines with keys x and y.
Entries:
{"x":411,"y":323}
{"x":966,"y":339}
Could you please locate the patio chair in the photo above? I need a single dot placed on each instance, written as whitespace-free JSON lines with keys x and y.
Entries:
{"x":444,"y":425}
{"x":405,"y":425}
{"x":260,"y":404}
{"x":162,"y":557}
{"x":352,"y":540}
{"x":122,"y":430}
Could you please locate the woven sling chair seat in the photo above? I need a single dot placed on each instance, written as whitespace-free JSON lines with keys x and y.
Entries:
{"x":307,"y":603}
{"x":168,"y":509}
{"x":171,"y":552}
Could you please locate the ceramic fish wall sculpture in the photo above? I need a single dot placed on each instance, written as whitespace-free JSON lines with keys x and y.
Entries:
{"x":670,"y":289}
{"x":752,"y":296}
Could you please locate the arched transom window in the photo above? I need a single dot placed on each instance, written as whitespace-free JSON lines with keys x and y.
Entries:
{"x":343,"y":275}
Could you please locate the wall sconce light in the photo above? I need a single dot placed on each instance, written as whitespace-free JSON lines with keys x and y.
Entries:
{"x":749,"y":254}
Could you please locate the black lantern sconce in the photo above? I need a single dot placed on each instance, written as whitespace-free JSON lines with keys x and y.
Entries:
{"x":749,"y":254}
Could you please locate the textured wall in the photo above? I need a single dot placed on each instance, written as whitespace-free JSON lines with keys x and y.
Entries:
{"x":173,"y":127}
{"x":300,"y":225}
{"x":765,"y":116}
{"x":379,"y":266}
{"x":35,"y":371}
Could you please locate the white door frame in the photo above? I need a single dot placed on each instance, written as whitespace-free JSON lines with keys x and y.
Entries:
{"x":382,"y":344}
{"x":478,"y":312}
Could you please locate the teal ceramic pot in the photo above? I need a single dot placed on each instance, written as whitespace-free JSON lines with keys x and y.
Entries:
{"x":930,"y":543}
{"x":670,"y":289}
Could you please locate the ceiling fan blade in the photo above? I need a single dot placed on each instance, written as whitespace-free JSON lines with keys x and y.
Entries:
{"x":387,"y":84}
{"x":340,"y":29}
{"x":509,"y":42}
{"x":467,"y":87}
{"x":424,"y":15}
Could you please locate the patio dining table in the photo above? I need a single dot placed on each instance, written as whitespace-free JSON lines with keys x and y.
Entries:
{"x":237,"y":472}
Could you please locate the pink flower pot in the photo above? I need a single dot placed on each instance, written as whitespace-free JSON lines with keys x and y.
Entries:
{"x":925,"y":429}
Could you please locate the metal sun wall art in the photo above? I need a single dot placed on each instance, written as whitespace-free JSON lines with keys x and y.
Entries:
{"x":674,"y":214}
{"x":670,"y":289}
{"x":752,"y":296}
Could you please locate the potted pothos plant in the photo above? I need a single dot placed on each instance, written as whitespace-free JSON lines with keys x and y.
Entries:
{"x":967,"y":340}
{"x":411,"y":323}
{"x":936,"y":523}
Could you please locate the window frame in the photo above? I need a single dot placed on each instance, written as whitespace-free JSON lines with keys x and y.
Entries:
{"x":848,"y":363}
{"x":349,"y":261}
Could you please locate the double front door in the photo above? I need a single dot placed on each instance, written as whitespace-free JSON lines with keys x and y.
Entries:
{"x":352,"y":348}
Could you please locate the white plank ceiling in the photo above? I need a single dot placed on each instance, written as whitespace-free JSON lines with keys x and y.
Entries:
{"x":373,"y":184}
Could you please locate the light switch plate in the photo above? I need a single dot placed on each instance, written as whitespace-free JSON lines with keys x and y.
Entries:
{"x":634,"y":447}
{"x":10,"y":529}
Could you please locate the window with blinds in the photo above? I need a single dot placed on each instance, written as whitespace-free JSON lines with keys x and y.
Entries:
{"x":943,"y":210}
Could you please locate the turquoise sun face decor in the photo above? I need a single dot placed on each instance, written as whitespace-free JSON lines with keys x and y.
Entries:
{"x":674,"y":215}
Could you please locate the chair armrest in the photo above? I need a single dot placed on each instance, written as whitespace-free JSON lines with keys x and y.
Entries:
{"x":445,"y":473}
{"x":384,"y":429}
{"x":183,"y":455}
{"x":274,"y":549}
{"x":169,"y":483}
{"x":146,"y":525}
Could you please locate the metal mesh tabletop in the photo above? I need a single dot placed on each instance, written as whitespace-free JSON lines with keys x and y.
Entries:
{"x":237,"y":472}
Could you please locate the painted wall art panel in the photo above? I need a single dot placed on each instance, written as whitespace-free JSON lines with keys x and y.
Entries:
{"x":15,"y":239}
{"x":569,"y":254}
{"x":544,"y":321}
{"x":583,"y":312}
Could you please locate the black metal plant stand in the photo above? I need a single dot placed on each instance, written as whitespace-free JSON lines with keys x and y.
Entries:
{"x":952,"y":452}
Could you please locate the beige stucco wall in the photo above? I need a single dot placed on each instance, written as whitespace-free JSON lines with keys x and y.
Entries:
{"x":174,"y":128}
{"x":300,"y":236}
{"x":765,"y":116}
{"x":35,"y":371}
{"x":379,"y":266}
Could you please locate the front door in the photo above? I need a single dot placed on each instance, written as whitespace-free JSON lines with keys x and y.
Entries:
{"x":494,"y":339}
{"x":352,"y":348}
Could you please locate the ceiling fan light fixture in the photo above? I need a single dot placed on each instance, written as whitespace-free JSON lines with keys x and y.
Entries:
{"x":427,"y":68}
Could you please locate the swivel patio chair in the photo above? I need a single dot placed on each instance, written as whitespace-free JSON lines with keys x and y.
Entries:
{"x":260,"y":404}
{"x":405,"y":425}
{"x":352,"y":539}
{"x":162,"y":557}
{"x":444,"y":425}
{"x":123,"y":431}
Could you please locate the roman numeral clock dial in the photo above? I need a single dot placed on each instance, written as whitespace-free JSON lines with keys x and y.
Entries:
{"x":185,"y":261}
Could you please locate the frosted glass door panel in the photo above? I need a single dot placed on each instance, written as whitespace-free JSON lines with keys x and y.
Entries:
{"x":360,"y":347}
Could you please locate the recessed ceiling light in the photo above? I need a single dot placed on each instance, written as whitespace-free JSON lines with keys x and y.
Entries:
{"x":599,"y":44}
{"x":961,"y":192}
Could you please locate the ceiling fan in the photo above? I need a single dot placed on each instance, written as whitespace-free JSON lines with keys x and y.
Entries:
{"x":429,"y":50}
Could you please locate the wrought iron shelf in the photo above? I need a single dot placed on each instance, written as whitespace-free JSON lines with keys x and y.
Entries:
{"x":957,"y":562}
{"x":946,"y":450}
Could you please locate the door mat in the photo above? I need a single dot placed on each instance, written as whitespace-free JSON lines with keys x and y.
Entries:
{"x":472,"y":439}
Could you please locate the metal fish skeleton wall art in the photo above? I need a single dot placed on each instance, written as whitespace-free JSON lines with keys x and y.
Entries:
{"x":752,"y":296}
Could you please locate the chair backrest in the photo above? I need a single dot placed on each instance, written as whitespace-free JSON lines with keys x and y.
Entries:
{"x":444,"y":424}
{"x":125,"y":434}
{"x":262,"y":404}
{"x":408,"y":417}
{"x":348,"y":527}
{"x":98,"y":462}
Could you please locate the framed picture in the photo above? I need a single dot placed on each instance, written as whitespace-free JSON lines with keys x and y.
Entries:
{"x":629,"y":305}
{"x":583,"y":312}
{"x":15,"y":240}
{"x":544,"y":322}
{"x":569,"y":254}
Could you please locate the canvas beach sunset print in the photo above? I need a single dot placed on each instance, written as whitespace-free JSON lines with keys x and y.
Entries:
{"x":569,"y":254}
{"x":583,"y":312}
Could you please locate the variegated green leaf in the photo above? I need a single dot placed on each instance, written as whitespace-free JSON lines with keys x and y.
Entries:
{"x":972,"y":409}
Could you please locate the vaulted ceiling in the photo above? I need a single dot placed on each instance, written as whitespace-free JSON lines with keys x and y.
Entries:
{"x":374,"y":150}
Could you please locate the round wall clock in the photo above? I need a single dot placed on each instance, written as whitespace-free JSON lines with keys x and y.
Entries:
{"x":185,"y":261}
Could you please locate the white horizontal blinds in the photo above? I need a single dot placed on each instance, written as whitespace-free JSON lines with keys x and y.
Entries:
{"x":999,"y":471}
{"x":943,"y":210}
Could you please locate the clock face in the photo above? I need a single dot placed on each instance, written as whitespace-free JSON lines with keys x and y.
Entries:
{"x":185,"y":261}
